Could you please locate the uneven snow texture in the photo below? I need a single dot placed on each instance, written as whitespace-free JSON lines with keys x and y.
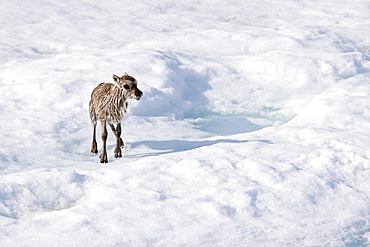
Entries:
{"x":253,"y":129}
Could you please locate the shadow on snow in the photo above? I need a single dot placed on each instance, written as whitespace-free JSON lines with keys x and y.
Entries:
{"x":174,"y":146}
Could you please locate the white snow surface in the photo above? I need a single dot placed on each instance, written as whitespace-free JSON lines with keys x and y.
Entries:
{"x":253,"y":129}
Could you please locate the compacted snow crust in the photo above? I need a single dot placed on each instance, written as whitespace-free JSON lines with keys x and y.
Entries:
{"x":253,"y":130}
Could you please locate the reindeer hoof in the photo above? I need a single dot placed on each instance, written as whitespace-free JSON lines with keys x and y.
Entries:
{"x":121,"y":143}
{"x":94,"y":148}
{"x":103,"y":158}
{"x":117,"y":153}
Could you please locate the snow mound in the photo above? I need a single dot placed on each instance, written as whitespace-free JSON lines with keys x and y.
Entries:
{"x":23,"y":194}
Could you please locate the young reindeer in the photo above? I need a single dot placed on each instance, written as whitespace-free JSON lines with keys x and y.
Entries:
{"x":109,"y":105}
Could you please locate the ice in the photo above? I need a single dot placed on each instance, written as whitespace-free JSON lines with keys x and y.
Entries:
{"x":252,"y":130}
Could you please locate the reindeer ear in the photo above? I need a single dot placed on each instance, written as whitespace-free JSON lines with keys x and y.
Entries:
{"x":115,"y":78}
{"x":125,"y":73}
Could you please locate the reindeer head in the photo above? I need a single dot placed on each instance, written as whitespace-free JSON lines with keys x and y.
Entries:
{"x":129,"y":84}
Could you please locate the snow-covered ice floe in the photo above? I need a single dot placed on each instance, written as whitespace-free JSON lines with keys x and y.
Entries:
{"x":253,"y":129}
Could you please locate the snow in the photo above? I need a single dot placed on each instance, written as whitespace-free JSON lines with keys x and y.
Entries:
{"x":252,"y":130}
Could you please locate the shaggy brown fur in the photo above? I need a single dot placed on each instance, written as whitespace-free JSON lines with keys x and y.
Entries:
{"x":109,"y":105}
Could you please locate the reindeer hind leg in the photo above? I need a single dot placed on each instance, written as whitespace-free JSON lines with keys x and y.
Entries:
{"x":119,"y":142}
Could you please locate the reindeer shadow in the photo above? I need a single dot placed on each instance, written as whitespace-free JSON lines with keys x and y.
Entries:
{"x":174,"y":146}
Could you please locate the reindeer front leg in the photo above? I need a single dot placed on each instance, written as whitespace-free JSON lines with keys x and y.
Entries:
{"x":104,"y":136}
{"x":94,"y":145}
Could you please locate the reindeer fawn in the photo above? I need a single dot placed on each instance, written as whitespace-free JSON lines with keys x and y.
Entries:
{"x":109,"y":105}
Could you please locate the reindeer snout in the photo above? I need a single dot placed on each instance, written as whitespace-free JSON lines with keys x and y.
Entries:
{"x":138,"y":94}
